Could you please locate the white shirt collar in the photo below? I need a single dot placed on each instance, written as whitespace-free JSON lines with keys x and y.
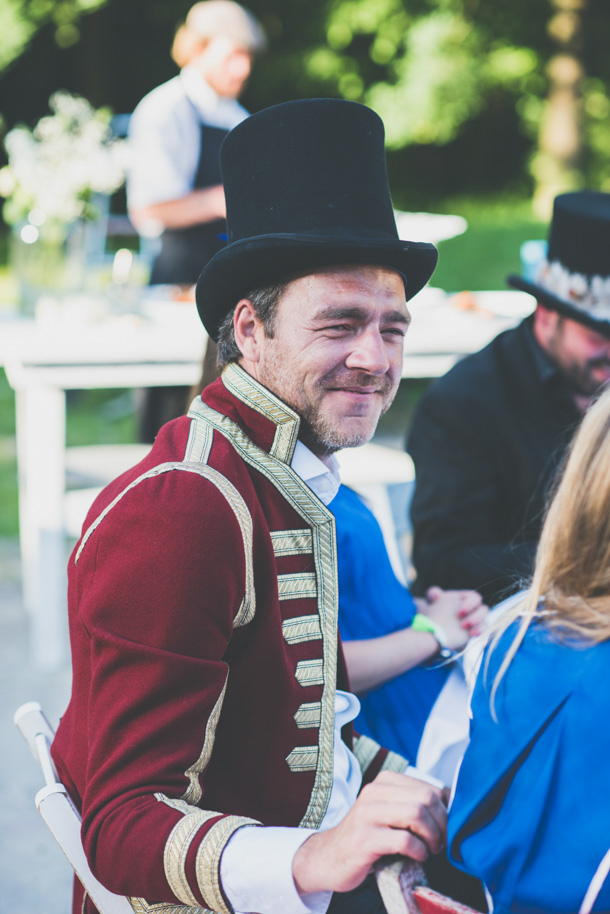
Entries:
{"x":320,"y":474}
{"x":213,"y":108}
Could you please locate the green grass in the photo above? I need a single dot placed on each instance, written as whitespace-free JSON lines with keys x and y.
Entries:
{"x":479,"y":259}
{"x":8,"y":461}
{"x":93,"y":417}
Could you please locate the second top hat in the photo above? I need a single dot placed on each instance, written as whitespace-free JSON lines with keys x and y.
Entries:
{"x":574,"y":279}
{"x":306,"y":187}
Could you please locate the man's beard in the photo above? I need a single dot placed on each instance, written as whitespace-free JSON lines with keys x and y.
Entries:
{"x":317,"y":432}
{"x":582,"y":380}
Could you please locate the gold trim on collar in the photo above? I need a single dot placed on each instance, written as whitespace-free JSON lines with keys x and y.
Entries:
{"x":253,"y":394}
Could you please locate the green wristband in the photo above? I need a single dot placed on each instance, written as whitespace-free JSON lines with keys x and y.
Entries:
{"x":421,"y":623}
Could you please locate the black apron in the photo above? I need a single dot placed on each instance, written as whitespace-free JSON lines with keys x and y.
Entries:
{"x":185,"y":251}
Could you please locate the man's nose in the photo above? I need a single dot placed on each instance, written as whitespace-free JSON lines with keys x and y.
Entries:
{"x":369,"y":353}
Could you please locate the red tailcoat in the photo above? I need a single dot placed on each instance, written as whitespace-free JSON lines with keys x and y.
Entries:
{"x":203,"y":624}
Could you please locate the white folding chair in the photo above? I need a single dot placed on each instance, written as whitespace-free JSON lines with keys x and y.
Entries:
{"x":58,"y":810}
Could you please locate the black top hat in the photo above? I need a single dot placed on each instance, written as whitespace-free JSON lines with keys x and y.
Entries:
{"x":575,"y":278}
{"x":306,"y":187}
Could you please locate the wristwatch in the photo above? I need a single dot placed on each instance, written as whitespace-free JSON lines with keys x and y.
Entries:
{"x":421,"y":623}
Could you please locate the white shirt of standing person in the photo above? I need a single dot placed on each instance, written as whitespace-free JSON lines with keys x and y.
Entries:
{"x":165,"y":137}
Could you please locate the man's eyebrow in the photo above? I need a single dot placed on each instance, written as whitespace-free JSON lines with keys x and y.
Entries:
{"x":337,"y":312}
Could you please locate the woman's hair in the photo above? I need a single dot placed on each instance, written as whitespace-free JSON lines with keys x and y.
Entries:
{"x":570,"y":587}
{"x":210,"y":19}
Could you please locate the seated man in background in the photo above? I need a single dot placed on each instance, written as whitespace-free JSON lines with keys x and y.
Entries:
{"x":396,"y":647}
{"x":487,"y":438}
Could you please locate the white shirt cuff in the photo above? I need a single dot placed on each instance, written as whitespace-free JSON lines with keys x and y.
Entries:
{"x":423,"y":776}
{"x":256,"y":872}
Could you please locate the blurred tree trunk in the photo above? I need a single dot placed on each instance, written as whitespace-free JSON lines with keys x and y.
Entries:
{"x":556,"y":165}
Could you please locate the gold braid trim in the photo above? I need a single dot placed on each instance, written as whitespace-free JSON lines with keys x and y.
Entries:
{"x":192,"y":794}
{"x":207,"y":862}
{"x":301,"y":628}
{"x":177,"y":847}
{"x":365,"y":749}
{"x":292,"y":542}
{"x":237,"y":504}
{"x":141,"y":906}
{"x":257,"y":397}
{"x":300,"y":586}
{"x":394,"y":762}
{"x":310,"y":508}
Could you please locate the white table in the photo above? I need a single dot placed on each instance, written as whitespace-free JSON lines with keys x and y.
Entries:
{"x":161,"y":345}
{"x":43,"y":359}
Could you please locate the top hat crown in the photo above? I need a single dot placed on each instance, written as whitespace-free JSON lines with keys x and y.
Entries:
{"x":574,"y":279}
{"x":306,"y":187}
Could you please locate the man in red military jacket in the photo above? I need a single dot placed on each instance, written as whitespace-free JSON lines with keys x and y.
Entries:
{"x":207,"y":741}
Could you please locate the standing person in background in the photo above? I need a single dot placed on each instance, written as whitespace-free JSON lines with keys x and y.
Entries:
{"x":174,"y":186}
{"x":487,"y":438}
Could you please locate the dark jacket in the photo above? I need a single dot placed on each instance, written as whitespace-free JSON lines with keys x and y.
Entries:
{"x":486,"y":441}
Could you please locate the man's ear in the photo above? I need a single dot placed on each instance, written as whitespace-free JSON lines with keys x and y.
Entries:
{"x":545,"y":323}
{"x":248,"y":330}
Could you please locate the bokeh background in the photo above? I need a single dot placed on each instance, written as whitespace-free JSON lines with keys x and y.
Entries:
{"x":491,"y":107}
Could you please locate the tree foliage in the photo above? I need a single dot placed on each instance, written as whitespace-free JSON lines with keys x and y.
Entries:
{"x":21,"y":19}
{"x":461,"y":85}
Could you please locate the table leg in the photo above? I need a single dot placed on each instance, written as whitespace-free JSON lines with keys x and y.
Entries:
{"x":41,"y":437}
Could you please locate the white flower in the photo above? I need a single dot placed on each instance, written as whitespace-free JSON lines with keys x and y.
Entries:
{"x":68,"y":156}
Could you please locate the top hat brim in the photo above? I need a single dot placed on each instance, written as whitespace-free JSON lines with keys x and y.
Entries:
{"x":552,"y":301}
{"x":254,"y":263}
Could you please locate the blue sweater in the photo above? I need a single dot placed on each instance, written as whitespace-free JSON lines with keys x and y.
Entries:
{"x":372,"y":603}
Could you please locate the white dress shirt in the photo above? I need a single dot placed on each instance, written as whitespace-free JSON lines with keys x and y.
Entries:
{"x":165,"y":137}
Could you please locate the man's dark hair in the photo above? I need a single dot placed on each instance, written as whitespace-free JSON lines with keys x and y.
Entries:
{"x":265,"y":302}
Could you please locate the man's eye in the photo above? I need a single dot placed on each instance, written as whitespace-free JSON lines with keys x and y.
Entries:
{"x":395,"y":331}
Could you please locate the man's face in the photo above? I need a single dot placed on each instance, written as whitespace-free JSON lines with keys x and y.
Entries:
{"x":336,"y":353}
{"x":582,"y":354}
{"x":225,"y":66}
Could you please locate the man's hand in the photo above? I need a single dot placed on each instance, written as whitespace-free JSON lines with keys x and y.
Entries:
{"x":395,"y":814}
{"x":460,"y":613}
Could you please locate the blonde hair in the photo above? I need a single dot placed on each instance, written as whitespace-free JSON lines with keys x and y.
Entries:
{"x":570,"y":587}
{"x":214,"y":18}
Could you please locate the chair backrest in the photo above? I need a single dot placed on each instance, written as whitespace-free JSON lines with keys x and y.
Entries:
{"x":58,"y":810}
{"x":401,"y":884}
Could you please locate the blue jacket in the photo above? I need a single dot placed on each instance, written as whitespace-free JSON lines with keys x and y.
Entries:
{"x":372,"y":603}
{"x":531,"y":814}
